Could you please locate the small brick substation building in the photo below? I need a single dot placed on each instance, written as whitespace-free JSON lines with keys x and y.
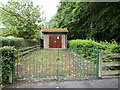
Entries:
{"x":55,"y":38}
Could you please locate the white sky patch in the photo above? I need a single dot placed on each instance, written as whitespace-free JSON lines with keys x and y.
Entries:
{"x":49,"y":6}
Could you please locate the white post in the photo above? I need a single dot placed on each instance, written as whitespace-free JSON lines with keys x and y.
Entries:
{"x":100,"y":65}
{"x":11,"y":77}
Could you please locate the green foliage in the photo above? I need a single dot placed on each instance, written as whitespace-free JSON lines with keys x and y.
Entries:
{"x":8,"y":54}
{"x":87,"y":43}
{"x":104,"y":47}
{"x":88,"y":46}
{"x":88,"y":20}
{"x":115,"y":49}
{"x":31,"y":42}
{"x":18,"y":42}
{"x":110,"y":60}
{"x":21,"y":19}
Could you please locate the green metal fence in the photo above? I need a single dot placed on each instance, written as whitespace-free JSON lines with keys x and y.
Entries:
{"x":56,"y":64}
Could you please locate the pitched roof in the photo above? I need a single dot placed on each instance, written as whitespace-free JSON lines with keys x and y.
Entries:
{"x":55,"y":30}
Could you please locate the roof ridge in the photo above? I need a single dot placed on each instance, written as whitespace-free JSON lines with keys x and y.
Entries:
{"x":55,"y":30}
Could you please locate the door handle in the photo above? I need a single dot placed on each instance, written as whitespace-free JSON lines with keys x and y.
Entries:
{"x":55,"y":41}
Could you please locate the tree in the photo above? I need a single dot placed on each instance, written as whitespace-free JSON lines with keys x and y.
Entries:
{"x":21,"y":18}
{"x":88,"y":20}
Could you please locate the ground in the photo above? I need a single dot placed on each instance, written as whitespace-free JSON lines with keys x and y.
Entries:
{"x":94,"y":83}
{"x":53,"y":64}
{"x":40,"y":69}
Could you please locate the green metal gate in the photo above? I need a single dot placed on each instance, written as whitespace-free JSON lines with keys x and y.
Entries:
{"x":56,"y":64}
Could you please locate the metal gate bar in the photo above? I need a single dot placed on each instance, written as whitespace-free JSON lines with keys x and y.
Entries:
{"x":56,"y":64}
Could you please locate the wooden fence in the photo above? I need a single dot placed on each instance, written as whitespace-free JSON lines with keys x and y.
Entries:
{"x":26,"y":50}
{"x":108,"y":73}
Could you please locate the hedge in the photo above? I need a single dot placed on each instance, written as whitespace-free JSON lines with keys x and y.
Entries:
{"x":8,"y":54}
{"x":105,"y":47}
{"x":18,"y":42}
{"x":89,"y":45}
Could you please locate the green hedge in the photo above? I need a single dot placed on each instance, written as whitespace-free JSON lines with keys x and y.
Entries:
{"x":18,"y":42}
{"x":8,"y":53}
{"x":85,"y":47}
{"x":87,"y":43}
{"x":104,"y":47}
{"x":115,"y":49}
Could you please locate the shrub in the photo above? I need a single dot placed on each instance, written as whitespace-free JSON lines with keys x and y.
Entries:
{"x":8,"y":54}
{"x":68,"y":43}
{"x":104,"y":47}
{"x":87,"y":46}
{"x":30,"y":42}
{"x":18,"y":42}
{"x":115,"y":49}
{"x":87,"y":43}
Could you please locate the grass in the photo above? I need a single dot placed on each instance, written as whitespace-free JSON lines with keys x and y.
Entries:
{"x":43,"y":64}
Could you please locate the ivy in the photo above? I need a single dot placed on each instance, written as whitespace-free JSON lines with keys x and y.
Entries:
{"x":8,"y":54}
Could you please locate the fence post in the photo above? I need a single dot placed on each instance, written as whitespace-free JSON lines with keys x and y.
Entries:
{"x":97,"y":62}
{"x":17,"y":62}
{"x":100,"y":66}
{"x":13,"y":69}
{"x":57,"y":66}
{"x":11,"y":77}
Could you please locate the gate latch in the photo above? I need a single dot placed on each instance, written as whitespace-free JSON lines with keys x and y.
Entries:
{"x":58,"y":59}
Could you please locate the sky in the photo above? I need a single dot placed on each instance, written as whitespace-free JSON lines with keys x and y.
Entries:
{"x":49,"y":6}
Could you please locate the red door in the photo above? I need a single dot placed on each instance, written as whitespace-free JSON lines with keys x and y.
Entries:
{"x":58,"y":41}
{"x":55,"y":41}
